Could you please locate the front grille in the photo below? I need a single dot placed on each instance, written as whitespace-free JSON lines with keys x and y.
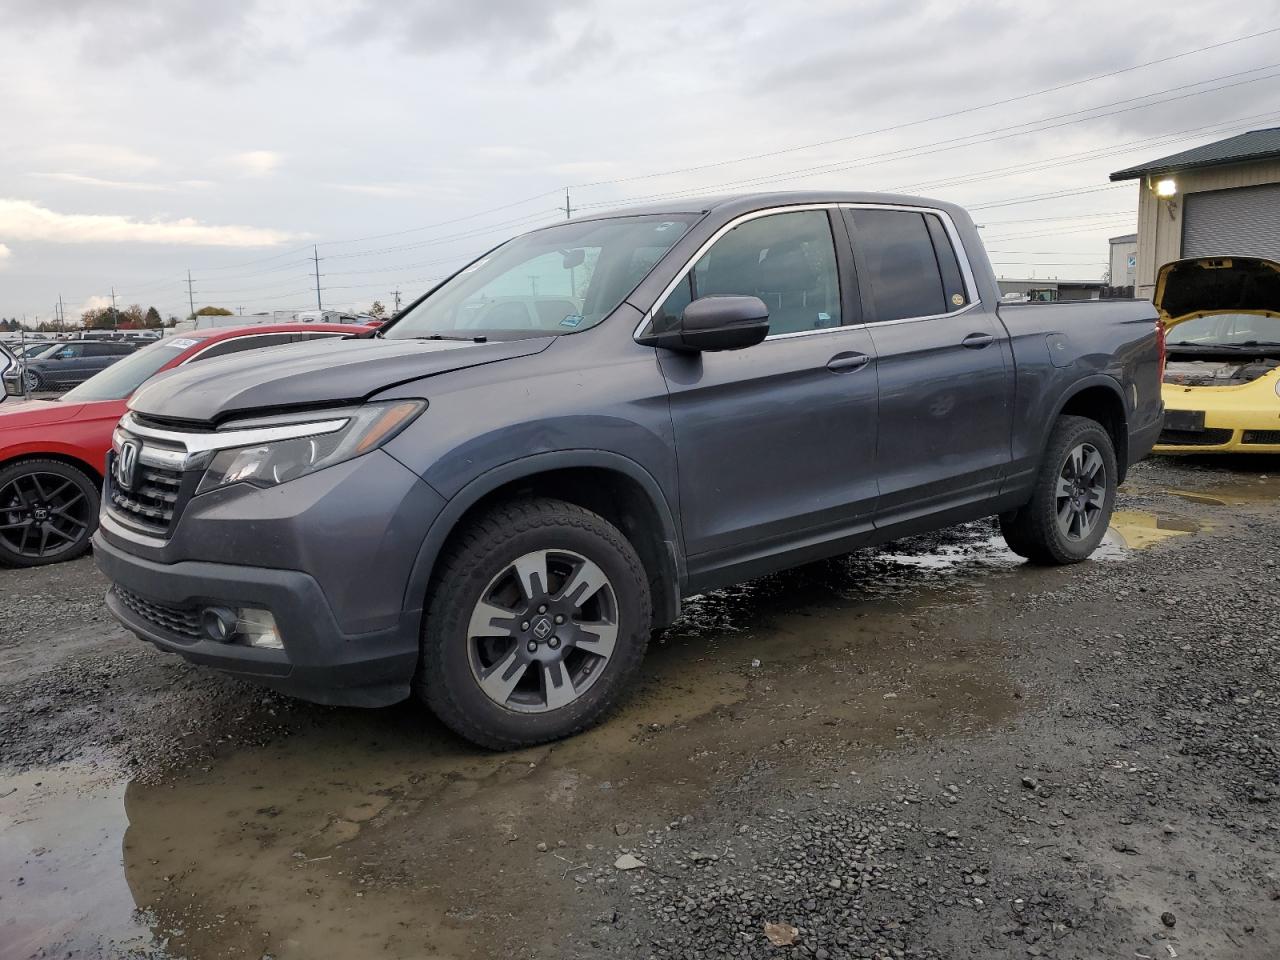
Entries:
{"x":1194,"y":438}
{"x":183,"y":622}
{"x":153,"y":500}
{"x":1261,"y":436}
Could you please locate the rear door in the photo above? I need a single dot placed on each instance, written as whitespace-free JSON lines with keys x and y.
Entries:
{"x":944,"y":391}
{"x":775,"y":443}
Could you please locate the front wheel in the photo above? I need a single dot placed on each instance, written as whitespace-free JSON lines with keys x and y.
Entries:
{"x":536,"y":623}
{"x":1075,"y":491}
{"x":33,"y":381}
{"x":48,"y":511}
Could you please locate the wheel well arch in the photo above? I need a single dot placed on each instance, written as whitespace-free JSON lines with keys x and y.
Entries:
{"x":69,"y":459}
{"x":1100,"y":400}
{"x":614,"y":487}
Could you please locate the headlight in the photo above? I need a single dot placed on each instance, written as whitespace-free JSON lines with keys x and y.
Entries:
{"x":266,"y":464}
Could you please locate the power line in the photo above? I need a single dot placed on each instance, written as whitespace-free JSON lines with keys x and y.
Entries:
{"x":993,"y":135}
{"x":940,"y":116}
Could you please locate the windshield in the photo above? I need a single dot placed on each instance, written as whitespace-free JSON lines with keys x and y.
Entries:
{"x":40,"y":350}
{"x":1226,"y":329}
{"x":125,"y":376}
{"x":559,"y":280}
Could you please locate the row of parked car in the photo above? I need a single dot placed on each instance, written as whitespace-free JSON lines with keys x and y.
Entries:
{"x":53,"y":452}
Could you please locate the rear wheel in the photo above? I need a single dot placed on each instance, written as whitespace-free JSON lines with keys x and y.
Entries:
{"x":537,"y":621}
{"x":33,"y":381}
{"x":48,"y":511}
{"x":1070,"y":508}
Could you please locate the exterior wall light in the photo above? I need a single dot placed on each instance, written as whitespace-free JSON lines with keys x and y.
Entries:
{"x":1166,"y":188}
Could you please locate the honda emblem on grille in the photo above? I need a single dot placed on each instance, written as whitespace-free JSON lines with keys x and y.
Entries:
{"x":127,"y":463}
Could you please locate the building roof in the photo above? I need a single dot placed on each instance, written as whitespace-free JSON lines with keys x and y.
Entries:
{"x":1254,"y":145}
{"x":1127,"y":238}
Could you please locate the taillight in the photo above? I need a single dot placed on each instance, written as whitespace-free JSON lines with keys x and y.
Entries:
{"x":1161,"y":350}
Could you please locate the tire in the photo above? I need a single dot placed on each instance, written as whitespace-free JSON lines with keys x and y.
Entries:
{"x":33,"y":382}
{"x":491,"y":658}
{"x":48,"y":512}
{"x":1064,"y":521}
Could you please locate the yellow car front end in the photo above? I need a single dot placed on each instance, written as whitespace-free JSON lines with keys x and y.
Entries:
{"x":1222,"y":377}
{"x":1238,"y":419}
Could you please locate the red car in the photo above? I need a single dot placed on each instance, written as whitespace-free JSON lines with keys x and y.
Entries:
{"x":53,"y":452}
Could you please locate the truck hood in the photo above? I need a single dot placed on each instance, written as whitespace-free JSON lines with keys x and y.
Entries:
{"x":1186,"y":289}
{"x":319,"y":373}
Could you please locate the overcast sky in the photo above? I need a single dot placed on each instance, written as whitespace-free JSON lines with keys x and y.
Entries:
{"x":144,"y":138}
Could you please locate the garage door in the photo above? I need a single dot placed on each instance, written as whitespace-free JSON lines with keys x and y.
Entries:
{"x":1244,"y":221}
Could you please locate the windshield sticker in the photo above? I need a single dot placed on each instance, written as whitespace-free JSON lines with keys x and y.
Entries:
{"x":183,"y":342}
{"x":665,"y":225}
{"x":572,"y":320}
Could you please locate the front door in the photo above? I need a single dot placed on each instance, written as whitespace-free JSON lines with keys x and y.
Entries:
{"x":945,"y":406}
{"x":775,"y":443}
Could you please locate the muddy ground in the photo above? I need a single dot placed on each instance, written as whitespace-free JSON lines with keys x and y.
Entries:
{"x":928,"y":750}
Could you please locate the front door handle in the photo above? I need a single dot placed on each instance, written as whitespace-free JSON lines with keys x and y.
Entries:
{"x":843,"y":362}
{"x":976,"y":341}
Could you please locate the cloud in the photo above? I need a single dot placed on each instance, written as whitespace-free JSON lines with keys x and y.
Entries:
{"x":91,"y":303}
{"x":86,"y":181}
{"x":438,"y":26}
{"x":5,"y":254}
{"x":105,"y":157}
{"x":255,"y":163}
{"x":24,"y":220}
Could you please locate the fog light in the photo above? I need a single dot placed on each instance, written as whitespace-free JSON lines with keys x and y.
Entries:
{"x":219,"y":623}
{"x":257,"y":628}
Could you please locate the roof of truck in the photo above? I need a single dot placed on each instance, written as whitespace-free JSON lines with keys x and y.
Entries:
{"x":750,"y":201}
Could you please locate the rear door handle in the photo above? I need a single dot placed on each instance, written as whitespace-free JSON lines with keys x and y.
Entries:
{"x":843,"y":362}
{"x":976,"y":341}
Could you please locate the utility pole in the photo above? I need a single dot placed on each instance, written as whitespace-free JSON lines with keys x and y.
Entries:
{"x":315,"y":255}
{"x":115,"y":317}
{"x":241,"y":309}
{"x":62,"y":313}
{"x":396,"y":293}
{"x":191,"y":298}
{"x":568,"y":210}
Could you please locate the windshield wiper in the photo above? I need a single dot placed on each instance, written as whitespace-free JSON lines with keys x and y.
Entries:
{"x":442,"y":336}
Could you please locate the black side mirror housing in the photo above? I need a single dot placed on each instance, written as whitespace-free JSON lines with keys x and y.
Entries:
{"x":716,"y":323}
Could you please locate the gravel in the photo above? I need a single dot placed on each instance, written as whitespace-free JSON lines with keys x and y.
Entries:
{"x":1124,"y":803}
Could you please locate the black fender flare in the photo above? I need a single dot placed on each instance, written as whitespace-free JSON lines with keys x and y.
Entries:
{"x":1095,"y":380}
{"x":479,"y":487}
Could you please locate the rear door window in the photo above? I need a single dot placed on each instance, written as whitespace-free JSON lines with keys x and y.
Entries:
{"x":900,"y":262}
{"x":953,"y":287}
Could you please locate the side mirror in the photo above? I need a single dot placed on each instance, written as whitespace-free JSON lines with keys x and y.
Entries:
{"x":716,"y":323}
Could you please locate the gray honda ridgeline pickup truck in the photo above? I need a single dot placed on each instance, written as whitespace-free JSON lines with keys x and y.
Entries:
{"x":495,"y":498}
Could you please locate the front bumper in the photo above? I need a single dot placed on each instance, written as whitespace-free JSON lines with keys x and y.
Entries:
{"x":319,"y":661}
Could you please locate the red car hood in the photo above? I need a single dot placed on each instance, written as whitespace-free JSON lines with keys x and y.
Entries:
{"x":38,"y":413}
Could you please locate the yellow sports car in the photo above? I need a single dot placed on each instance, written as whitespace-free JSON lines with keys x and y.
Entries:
{"x":1222,"y":376}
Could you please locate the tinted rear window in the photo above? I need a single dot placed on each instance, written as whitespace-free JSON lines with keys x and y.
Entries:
{"x":900,"y":262}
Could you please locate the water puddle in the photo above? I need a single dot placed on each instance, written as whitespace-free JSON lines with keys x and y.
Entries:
{"x":379,"y":835}
{"x":1261,"y":491}
{"x":1137,"y":529}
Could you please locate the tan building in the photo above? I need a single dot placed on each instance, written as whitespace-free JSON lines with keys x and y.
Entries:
{"x":1122,"y":264}
{"x":1216,"y":200}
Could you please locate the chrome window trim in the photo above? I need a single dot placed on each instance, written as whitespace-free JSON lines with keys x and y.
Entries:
{"x":193,"y":444}
{"x":962,"y":257}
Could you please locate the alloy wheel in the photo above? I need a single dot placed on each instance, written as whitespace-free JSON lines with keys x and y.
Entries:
{"x":42,"y":514}
{"x":1081,"y":492}
{"x":542,"y":631}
